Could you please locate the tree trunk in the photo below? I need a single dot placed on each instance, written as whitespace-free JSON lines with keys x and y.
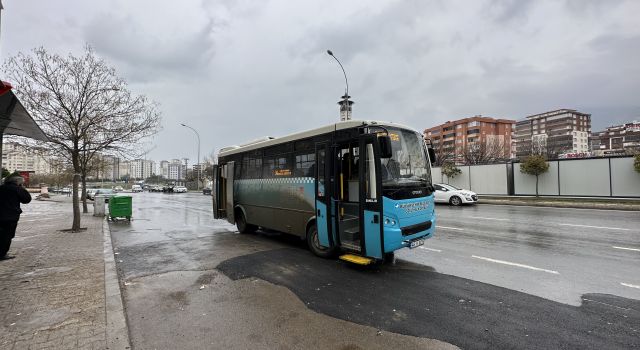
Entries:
{"x":84,"y":194}
{"x":537,"y":186}
{"x":74,"y":192}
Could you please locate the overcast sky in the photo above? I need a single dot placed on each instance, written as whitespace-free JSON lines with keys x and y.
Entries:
{"x":238,"y":70}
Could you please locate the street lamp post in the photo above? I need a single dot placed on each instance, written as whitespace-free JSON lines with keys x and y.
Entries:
{"x":346,"y":104}
{"x":199,"y":170}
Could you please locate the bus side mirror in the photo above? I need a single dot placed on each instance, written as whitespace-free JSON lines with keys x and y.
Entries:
{"x":385,"y":146}
{"x":432,"y":155}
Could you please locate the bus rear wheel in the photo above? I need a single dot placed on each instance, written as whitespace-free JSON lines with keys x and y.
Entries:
{"x":314,"y":244}
{"x":242,"y":225}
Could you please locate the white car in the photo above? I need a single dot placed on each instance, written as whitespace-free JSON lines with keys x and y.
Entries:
{"x":180,"y":189}
{"x":453,"y":195}
{"x":136,"y":188}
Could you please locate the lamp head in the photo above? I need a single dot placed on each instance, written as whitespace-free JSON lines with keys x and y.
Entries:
{"x":330,"y":53}
{"x":182,"y":124}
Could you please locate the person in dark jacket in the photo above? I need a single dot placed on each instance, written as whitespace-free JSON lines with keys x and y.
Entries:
{"x":12,"y":193}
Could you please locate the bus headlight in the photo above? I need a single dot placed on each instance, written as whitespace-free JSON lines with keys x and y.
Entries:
{"x":389,"y":221}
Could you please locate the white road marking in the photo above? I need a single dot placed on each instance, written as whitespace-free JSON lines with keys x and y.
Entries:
{"x":480,"y":217}
{"x":431,"y":249}
{"x":602,"y":227}
{"x":599,"y":302}
{"x":630,"y":285}
{"x":450,"y":228}
{"x":625,"y":248}
{"x":516,"y":264}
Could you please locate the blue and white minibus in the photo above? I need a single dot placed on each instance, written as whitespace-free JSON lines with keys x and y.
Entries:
{"x":357,"y":189}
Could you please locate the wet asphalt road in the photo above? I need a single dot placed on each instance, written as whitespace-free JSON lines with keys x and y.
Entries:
{"x":492,"y":277}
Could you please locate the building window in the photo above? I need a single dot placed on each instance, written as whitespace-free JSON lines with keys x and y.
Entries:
{"x":474,"y":131}
{"x":459,"y":126}
{"x":472,"y":124}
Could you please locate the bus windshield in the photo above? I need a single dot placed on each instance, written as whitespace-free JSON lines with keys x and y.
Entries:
{"x":408,"y":165}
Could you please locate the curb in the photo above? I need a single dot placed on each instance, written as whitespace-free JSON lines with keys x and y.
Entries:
{"x":117,"y":331}
{"x":562,"y":205}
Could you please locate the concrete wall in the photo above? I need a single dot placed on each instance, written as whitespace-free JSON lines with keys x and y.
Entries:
{"x":489,"y":179}
{"x":482,"y":179}
{"x":585,"y":177}
{"x":624,"y":183}
{"x":597,"y":177}
{"x":524,"y":184}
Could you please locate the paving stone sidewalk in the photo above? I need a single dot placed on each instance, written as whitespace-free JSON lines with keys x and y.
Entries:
{"x":52,"y":295}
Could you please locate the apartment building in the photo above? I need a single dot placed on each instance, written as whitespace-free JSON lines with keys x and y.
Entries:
{"x":16,"y":157}
{"x":142,"y":168}
{"x":124,"y":168}
{"x":617,"y":140}
{"x":555,"y":133}
{"x":173,"y":169}
{"x":454,"y":138}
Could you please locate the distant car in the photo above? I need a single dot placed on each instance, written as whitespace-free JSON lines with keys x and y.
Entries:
{"x":106,"y":192}
{"x":206,"y":191}
{"x":454,"y":195}
{"x":155,"y":188}
{"x":118,"y":189}
{"x":136,"y":188}
{"x":91,"y":192}
{"x":180,"y":189}
{"x":66,"y":190}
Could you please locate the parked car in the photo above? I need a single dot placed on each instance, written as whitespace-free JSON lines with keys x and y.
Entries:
{"x":180,"y":189}
{"x":118,"y":189}
{"x":155,"y":188}
{"x":453,"y":195}
{"x":136,"y":188}
{"x":91,"y":192}
{"x":206,"y":191}
{"x":106,"y":192}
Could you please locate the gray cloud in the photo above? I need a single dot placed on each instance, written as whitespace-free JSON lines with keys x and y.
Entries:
{"x":236,"y":70}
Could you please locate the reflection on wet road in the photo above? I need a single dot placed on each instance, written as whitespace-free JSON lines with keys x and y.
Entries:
{"x":492,"y":277}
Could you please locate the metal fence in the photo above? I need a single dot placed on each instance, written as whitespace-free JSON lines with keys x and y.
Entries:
{"x":592,"y":177}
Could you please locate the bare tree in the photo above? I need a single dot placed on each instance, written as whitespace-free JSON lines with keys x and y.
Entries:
{"x":444,"y":154}
{"x":486,"y":151}
{"x":82,"y":106}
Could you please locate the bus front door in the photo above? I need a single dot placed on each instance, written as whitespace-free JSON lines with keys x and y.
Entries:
{"x":323,"y":194}
{"x":370,"y":211}
{"x":346,"y":199}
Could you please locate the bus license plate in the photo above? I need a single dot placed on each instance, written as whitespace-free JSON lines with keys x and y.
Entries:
{"x":416,"y":243}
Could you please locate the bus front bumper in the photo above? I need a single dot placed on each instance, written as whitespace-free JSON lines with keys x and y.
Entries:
{"x":400,"y":237}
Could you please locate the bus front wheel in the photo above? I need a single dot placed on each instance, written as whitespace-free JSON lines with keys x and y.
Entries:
{"x":314,"y":244}
{"x":242,"y":225}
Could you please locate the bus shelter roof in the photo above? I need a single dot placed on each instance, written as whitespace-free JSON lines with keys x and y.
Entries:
{"x":14,"y":118}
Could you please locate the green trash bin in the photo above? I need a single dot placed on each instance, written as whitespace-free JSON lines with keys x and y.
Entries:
{"x":120,"y":207}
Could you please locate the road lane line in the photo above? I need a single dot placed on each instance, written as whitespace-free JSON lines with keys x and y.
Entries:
{"x":599,"y":302}
{"x":625,"y":248}
{"x":630,"y":285}
{"x":516,"y":264}
{"x":450,"y":228}
{"x":480,"y":217}
{"x":431,"y":249}
{"x":602,"y":227}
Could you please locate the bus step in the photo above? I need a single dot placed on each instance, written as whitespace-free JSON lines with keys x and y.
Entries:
{"x":350,"y":246}
{"x":356,"y":259}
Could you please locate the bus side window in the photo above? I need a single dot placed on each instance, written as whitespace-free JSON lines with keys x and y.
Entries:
{"x":304,"y":162}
